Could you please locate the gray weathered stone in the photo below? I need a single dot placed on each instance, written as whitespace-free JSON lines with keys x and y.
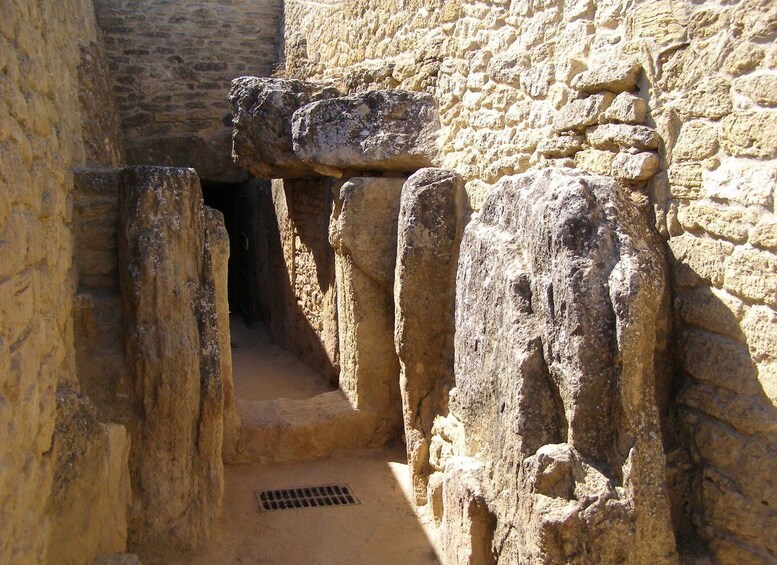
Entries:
{"x":262,"y":110}
{"x":561,"y":308}
{"x":423,"y":297}
{"x":383,"y":130}
{"x":173,"y":351}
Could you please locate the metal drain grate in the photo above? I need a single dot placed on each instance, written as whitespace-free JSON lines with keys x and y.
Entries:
{"x":305,"y":497}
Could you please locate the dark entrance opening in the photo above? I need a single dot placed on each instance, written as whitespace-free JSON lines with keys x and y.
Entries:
{"x":235,"y":202}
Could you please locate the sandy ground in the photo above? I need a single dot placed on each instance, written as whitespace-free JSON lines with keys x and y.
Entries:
{"x":263,"y":371}
{"x":381,"y":530}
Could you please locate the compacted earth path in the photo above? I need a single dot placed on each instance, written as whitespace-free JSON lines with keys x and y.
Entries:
{"x":381,"y":529}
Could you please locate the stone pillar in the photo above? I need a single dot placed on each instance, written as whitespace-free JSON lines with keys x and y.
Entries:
{"x":172,"y":345}
{"x":363,"y":234}
{"x":427,"y":238}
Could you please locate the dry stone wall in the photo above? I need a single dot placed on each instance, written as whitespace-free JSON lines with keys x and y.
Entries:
{"x":45,"y":52}
{"x":527,"y":84}
{"x":171,"y":64}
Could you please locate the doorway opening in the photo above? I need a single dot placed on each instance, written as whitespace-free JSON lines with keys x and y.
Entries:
{"x":276,"y":341}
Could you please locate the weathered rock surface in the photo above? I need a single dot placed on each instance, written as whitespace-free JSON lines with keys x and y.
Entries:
{"x":172,"y":345}
{"x":262,"y":110}
{"x":560,"y":308}
{"x":363,"y":234}
{"x":90,"y":496}
{"x":218,"y":239}
{"x":383,"y":130}
{"x":423,"y":297}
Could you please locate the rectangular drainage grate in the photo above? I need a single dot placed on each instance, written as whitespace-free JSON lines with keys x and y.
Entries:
{"x":305,"y":497}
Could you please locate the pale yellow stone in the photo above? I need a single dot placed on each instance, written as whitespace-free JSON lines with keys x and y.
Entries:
{"x":662,"y":21}
{"x":749,"y":183}
{"x":685,"y":180}
{"x":627,"y":108}
{"x":595,"y":161}
{"x":697,"y":140}
{"x":760,"y":329}
{"x":712,"y":309}
{"x":729,"y":222}
{"x":752,"y":274}
{"x":710,"y":98}
{"x":583,"y":112}
{"x":765,"y":234}
{"x":703,"y":257}
{"x":761,"y":88}
{"x":750,"y":134}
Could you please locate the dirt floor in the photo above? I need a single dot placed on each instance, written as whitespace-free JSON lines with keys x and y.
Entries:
{"x":263,"y":371}
{"x":381,"y":530}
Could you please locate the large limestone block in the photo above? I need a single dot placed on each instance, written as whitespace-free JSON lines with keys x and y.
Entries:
{"x":262,"y":109}
{"x":90,"y":495}
{"x":363,"y":233}
{"x":383,"y":130}
{"x":423,"y":297}
{"x":172,"y":346}
{"x":561,"y":308}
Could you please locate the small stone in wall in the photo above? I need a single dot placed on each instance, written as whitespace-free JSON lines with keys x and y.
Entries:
{"x":765,"y":234}
{"x":615,"y":77}
{"x":627,"y":108}
{"x":760,"y":88}
{"x":637,"y":167}
{"x":582,"y":113}
{"x":698,"y":140}
{"x":750,"y":134}
{"x":615,"y":136}
{"x":561,"y":146}
{"x":595,"y":161}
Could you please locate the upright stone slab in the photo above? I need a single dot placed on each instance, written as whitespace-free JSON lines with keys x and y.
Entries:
{"x":363,"y":233}
{"x":382,"y":130}
{"x":219,"y":248}
{"x":172,"y":345}
{"x":423,"y":298}
{"x":262,"y":110}
{"x":561,"y":306}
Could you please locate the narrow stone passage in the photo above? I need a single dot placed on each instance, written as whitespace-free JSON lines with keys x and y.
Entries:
{"x":262,"y":370}
{"x":382,"y":529}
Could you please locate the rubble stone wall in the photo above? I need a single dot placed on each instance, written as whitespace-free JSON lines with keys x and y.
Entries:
{"x":172,"y":62}
{"x":506,"y":76}
{"x":41,"y":48}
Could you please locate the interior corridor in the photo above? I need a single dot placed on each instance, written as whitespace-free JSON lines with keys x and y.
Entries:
{"x":381,"y":530}
{"x":262,"y":370}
